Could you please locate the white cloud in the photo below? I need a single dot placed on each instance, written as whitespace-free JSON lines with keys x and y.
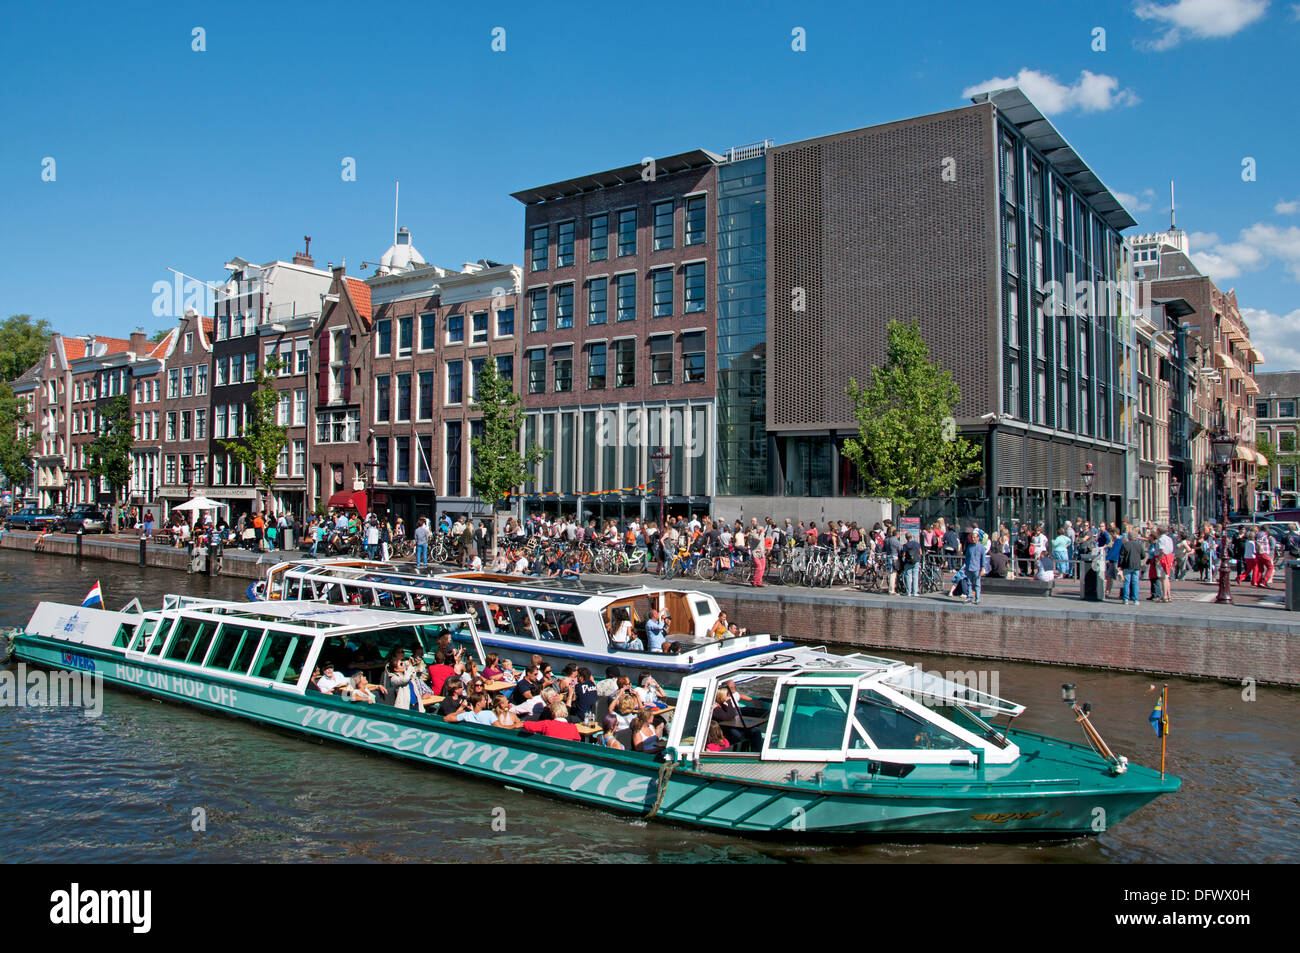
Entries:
{"x":1091,"y":92}
{"x":1140,"y":202}
{"x":1287,"y":208}
{"x":1200,"y":19}
{"x":1257,"y":246}
{"x":1277,"y":336}
{"x":1295,"y":11}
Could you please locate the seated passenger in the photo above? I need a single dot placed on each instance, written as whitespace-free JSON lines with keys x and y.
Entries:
{"x":608,"y":732}
{"x":331,"y":681}
{"x":507,"y":673}
{"x":553,"y":722}
{"x":313,"y":683}
{"x":474,"y":710}
{"x":491,"y":668}
{"x":585,"y":694}
{"x":607,"y":687}
{"x":717,"y":741}
{"x":649,"y":692}
{"x":361,"y":690}
{"x":530,"y":686}
{"x":445,"y":666}
{"x":532,"y":707}
{"x":624,"y":708}
{"x":454,"y":698}
{"x":719,"y":629}
{"x":505,"y":718}
{"x":645,"y":733}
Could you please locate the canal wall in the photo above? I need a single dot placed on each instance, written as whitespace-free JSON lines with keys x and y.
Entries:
{"x":1176,"y":639}
{"x":239,"y":563}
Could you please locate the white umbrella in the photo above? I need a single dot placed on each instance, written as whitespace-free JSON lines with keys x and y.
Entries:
{"x":199,"y":503}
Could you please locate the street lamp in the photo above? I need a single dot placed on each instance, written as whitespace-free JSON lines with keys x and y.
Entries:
{"x":1089,"y":475}
{"x":1175,"y":514}
{"x":661,"y":458}
{"x":1223,"y":446}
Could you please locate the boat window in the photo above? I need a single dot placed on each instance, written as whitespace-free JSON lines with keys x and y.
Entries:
{"x":249,"y":639}
{"x":202,"y":644}
{"x":512,"y":620}
{"x":694,"y":711}
{"x":811,"y":717}
{"x":159,"y":640}
{"x":459,"y":633}
{"x":556,"y":625}
{"x":702,"y":608}
{"x":274,"y":649}
{"x":893,"y":728}
{"x":297,"y":659}
{"x":125,"y":633}
{"x":187,"y":630}
{"x":142,"y":636}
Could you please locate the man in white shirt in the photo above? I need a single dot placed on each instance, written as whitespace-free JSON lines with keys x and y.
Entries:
{"x":520,"y":567}
{"x":1166,"y":543}
{"x":330,"y":680}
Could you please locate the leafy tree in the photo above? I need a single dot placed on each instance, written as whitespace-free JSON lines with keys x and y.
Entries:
{"x":14,"y":450}
{"x":499,"y":466}
{"x":22,"y":343}
{"x":109,"y":454}
{"x":157,"y":336}
{"x":907,"y":447}
{"x":263,"y":439}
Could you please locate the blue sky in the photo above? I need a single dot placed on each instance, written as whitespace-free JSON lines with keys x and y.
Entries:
{"x":164,"y":156}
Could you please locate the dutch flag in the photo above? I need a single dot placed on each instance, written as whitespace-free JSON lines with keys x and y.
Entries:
{"x":93,"y":598}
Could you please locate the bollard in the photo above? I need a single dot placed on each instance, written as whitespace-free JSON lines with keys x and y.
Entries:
{"x":189,"y":556}
{"x":214,"y":556}
{"x":80,"y":534}
{"x":142,"y":545}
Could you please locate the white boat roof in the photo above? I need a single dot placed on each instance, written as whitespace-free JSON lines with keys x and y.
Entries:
{"x":317,"y":615}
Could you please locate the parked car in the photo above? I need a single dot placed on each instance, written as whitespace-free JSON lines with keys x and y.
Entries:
{"x":86,"y":519}
{"x":32,"y":518}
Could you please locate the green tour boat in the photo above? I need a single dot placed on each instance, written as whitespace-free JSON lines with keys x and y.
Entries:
{"x":812,"y":742}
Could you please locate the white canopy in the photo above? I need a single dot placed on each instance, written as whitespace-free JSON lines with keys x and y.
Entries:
{"x":199,"y":503}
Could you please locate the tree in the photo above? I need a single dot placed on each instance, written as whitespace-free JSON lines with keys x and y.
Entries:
{"x":907,"y":447}
{"x":21,"y":344}
{"x":258,"y":449}
{"x":157,"y":336}
{"x":499,"y":466}
{"x":14,"y":449}
{"x":108,"y":456}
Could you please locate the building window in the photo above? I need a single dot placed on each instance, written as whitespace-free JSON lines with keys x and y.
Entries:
{"x":452,"y":454}
{"x":597,"y":300}
{"x":563,"y":306}
{"x":475,"y":370}
{"x":174,"y":382}
{"x":455,"y":382}
{"x":300,"y":407}
{"x":284,"y":409}
{"x":171,"y":426}
{"x":201,"y":378}
{"x":405,"y":330}
{"x":403,"y":459}
{"x":383,"y":338}
{"x":403,"y":397}
{"x":663,"y":228}
{"x":627,"y":232}
{"x":695,"y":287}
{"x":455,"y":329}
{"x":1261,"y":409}
{"x":562,"y":362}
{"x":537,"y":371}
{"x":506,"y":323}
{"x":1286,"y":408}
{"x":693,"y":367}
{"x":661,"y":285}
{"x":506,"y":368}
{"x":424,"y":450}
{"x":540,"y":248}
{"x":381,"y":460}
{"x":302,"y":348}
{"x":661,"y":359}
{"x":598,"y":246}
{"x":625,"y":296}
{"x":338,"y":426}
{"x":187,"y":429}
{"x":187,"y":382}
{"x":382,"y":398}
{"x":625,"y":363}
{"x":479,"y":328}
{"x":596,"y":366}
{"x":1286,"y":441}
{"x":428,"y":330}
{"x":299,"y":457}
{"x":537,"y":304}
{"x":564,"y":244}
{"x":426,"y":395}
{"x":695,"y":220}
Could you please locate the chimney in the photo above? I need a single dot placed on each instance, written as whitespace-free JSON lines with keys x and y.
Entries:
{"x":139,"y":343}
{"x":305,"y":257}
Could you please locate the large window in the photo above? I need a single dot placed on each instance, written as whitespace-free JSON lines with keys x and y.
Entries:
{"x":661,"y":359}
{"x":426,"y":395}
{"x":625,"y":296}
{"x":627,"y":232}
{"x":381,"y":460}
{"x":537,"y":316}
{"x":597,"y":300}
{"x":403,"y":397}
{"x":506,"y":323}
{"x":562,"y":362}
{"x":696,"y":229}
{"x":479,"y":328}
{"x":383,"y":398}
{"x":598,"y":246}
{"x":405,"y":331}
{"x":596,"y":366}
{"x":383,"y":338}
{"x":564,"y":306}
{"x":338,"y":426}
{"x":663,"y":229}
{"x":1286,"y":408}
{"x":564,"y":244}
{"x":428,"y":331}
{"x":625,"y":363}
{"x":661,"y":289}
{"x":455,"y":382}
{"x":696,"y":282}
{"x":693,"y":366}
{"x":403,"y":459}
{"x":537,"y":371}
{"x":455,"y":329}
{"x":540,"y":259}
{"x":506,"y":367}
{"x":452,"y":454}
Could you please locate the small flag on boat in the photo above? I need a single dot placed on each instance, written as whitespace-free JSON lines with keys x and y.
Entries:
{"x":94,"y":597}
{"x":1158,"y":720}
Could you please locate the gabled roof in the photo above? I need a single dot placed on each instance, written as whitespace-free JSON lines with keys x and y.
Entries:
{"x":74,"y":348}
{"x":160,"y":349}
{"x":359,"y":292}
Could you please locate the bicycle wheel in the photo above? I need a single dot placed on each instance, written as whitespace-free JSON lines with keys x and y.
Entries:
{"x":703,"y":570}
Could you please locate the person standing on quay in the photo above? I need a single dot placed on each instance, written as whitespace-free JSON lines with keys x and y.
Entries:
{"x":973,"y":564}
{"x":1130,"y":564}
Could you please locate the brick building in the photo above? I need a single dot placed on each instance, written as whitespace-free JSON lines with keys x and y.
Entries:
{"x":1277,"y":410}
{"x":146,"y":409}
{"x":180,"y":419}
{"x":337,"y":393}
{"x":619,"y":327}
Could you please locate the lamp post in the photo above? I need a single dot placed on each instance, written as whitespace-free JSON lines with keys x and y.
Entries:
{"x":661,"y":458}
{"x":1223,"y":445}
{"x":1089,"y":475}
{"x":1175,"y":511}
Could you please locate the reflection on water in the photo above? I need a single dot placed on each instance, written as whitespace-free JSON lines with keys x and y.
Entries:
{"x":129,"y":785}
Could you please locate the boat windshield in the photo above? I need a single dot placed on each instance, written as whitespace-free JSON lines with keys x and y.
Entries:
{"x":931,"y":688}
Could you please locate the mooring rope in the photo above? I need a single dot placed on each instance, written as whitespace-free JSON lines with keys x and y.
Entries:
{"x":665,"y":772}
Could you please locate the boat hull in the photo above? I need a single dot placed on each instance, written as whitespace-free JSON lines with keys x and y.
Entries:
{"x":629,"y":782}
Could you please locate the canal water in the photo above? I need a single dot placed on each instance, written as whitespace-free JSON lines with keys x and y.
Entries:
{"x":133,"y":784}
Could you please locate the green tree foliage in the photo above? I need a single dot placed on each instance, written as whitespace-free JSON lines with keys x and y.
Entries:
{"x":22,"y":342}
{"x":499,"y":466}
{"x":907,"y":447}
{"x":157,"y":336}
{"x":108,"y":456}
{"x":14,"y":450}
{"x":263,"y":439}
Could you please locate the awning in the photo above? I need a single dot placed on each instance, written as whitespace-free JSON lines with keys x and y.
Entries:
{"x":1261,"y":459}
{"x":1245,"y":453}
{"x":1251,"y":386}
{"x":1223,"y":359}
{"x":1256,"y":356}
{"x":345,"y":500}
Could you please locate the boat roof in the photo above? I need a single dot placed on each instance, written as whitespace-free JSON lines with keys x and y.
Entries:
{"x":339,"y":620}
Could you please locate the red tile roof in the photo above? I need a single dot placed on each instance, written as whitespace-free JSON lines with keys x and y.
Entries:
{"x":360,"y":293}
{"x":74,"y":348}
{"x":161,"y":347}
